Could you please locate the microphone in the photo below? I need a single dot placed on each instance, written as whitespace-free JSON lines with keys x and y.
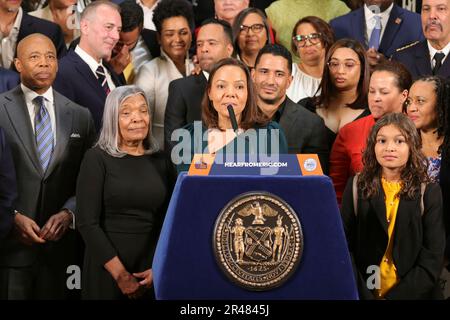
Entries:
{"x":232,"y":118}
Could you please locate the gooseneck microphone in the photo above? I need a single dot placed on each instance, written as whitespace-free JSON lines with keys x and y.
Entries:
{"x":232,"y":118}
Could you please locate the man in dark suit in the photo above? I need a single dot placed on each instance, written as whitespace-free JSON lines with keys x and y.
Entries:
{"x":48,"y":135}
{"x":305,"y":132}
{"x":8,"y":187}
{"x":431,"y":55}
{"x":83,"y":75}
{"x":8,"y":79}
{"x":397,"y":28}
{"x":19,"y":24}
{"x":214,"y":42}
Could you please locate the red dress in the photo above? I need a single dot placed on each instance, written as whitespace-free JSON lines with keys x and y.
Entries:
{"x":346,"y":153}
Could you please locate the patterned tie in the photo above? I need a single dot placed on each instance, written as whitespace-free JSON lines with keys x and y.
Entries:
{"x":438,"y":57}
{"x":100,"y":72}
{"x":374,"y":41}
{"x":43,"y":132}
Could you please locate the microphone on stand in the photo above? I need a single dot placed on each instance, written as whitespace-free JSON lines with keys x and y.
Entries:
{"x":233,"y":118}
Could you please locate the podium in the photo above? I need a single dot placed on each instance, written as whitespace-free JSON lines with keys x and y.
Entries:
{"x":184,"y":265}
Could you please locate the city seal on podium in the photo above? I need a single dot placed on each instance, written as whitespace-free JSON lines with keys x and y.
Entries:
{"x":258,"y":241}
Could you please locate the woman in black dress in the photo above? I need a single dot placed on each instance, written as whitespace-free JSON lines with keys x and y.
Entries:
{"x":122,"y":193}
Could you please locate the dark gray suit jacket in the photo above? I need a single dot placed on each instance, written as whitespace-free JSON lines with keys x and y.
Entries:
{"x":305,"y":132}
{"x":42,"y":194}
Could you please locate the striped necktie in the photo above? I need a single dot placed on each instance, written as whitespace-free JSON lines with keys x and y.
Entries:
{"x":101,"y":75}
{"x":43,"y":132}
{"x":374,"y":41}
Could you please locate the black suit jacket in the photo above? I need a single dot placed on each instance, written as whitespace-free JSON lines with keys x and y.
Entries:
{"x":32,"y":25}
{"x":8,"y":187}
{"x":183,"y":104}
{"x":419,"y":241}
{"x":403,"y":27}
{"x":305,"y":132}
{"x":417,"y":59}
{"x":8,"y":79}
{"x":42,"y":194}
{"x":77,"y":82}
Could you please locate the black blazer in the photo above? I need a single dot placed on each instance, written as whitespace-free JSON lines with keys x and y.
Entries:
{"x":305,"y":132}
{"x":30,"y":25}
{"x":417,"y":59}
{"x":8,"y":187}
{"x":419,"y":241}
{"x":77,"y":82}
{"x":42,"y":194}
{"x":183,"y":104}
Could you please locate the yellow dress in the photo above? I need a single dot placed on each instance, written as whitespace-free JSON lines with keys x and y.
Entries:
{"x":388,"y":270}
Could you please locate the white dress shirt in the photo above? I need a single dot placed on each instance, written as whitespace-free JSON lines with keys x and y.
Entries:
{"x":8,"y":44}
{"x":154,"y":78}
{"x":148,"y":15}
{"x":33,"y":107}
{"x":433,"y":51}
{"x":93,"y":65}
{"x":371,"y":21}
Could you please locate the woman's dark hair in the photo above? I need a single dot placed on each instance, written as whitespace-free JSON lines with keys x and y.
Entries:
{"x":321,"y":26}
{"x":413,"y":174}
{"x":403,"y":79}
{"x":172,"y":8}
{"x":240,"y":19}
{"x":251,"y":117}
{"x":442,"y":92}
{"x":326,"y":85}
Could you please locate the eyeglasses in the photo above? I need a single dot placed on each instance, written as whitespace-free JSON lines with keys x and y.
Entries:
{"x":348,"y":65}
{"x":300,"y":40}
{"x":256,"y":28}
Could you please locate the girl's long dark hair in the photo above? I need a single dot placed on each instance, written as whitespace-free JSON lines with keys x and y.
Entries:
{"x":413,"y":174}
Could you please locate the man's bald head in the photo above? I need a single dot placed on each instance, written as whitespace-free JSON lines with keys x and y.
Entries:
{"x":36,"y":62}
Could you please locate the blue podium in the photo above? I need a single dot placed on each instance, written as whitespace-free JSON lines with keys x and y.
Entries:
{"x":184,"y":265}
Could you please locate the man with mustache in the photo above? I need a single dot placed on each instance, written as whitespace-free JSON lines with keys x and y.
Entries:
{"x":429,"y":57}
{"x":305,"y":131}
{"x":83,"y":76}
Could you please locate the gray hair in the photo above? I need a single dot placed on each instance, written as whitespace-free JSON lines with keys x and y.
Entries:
{"x":109,"y":134}
{"x":91,"y":9}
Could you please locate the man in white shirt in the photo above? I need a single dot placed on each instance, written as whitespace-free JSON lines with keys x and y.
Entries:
{"x":381,"y":26}
{"x":430,"y":57}
{"x":15,"y":24}
{"x":83,"y":76}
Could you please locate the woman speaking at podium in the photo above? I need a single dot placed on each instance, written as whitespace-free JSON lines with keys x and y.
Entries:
{"x":229,"y":112}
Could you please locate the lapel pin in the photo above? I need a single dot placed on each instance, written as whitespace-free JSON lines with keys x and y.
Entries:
{"x":398,"y":20}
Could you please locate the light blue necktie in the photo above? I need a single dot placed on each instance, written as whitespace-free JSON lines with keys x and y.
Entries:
{"x":43,"y":133}
{"x":374,"y":41}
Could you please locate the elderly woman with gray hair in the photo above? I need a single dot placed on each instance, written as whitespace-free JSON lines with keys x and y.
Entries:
{"x":123,"y":190}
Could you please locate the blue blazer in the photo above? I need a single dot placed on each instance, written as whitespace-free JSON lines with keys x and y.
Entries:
{"x":8,"y":79}
{"x":417,"y":59}
{"x":8,"y":187}
{"x":403,"y":28}
{"x":76,"y":82}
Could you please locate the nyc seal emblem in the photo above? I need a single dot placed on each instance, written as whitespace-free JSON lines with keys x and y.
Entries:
{"x":258,"y":241}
